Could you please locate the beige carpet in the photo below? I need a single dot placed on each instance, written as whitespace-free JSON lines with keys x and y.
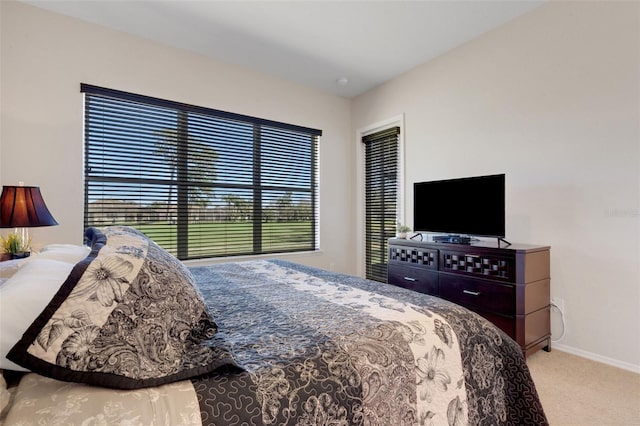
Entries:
{"x":578,"y":391}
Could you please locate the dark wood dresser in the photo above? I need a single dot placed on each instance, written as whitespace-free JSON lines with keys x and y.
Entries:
{"x":509,"y":286}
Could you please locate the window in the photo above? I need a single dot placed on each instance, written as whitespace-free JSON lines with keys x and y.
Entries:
{"x":381,"y":191}
{"x":199,"y":182}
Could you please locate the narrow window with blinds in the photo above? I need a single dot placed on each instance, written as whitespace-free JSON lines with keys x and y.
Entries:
{"x":199,"y":182}
{"x":381,"y":190}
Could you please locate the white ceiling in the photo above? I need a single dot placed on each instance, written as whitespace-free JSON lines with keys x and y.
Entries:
{"x":314,"y":43}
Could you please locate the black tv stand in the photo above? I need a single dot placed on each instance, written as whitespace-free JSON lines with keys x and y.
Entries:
{"x":507,"y":243}
{"x":452,"y":239}
{"x":418,"y":234}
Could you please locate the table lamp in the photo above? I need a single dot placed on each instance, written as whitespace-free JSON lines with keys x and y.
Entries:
{"x":23,"y":207}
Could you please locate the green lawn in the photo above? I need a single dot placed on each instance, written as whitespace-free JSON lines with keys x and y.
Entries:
{"x":220,"y":238}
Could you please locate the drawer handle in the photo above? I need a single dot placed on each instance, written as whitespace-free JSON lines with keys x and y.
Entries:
{"x":472,"y":293}
{"x":409,"y":279}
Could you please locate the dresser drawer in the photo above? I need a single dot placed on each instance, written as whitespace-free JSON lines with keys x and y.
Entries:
{"x":504,"y":323}
{"x":481,"y":265}
{"x":424,"y":258}
{"x":485,"y":295}
{"x":417,"y":279}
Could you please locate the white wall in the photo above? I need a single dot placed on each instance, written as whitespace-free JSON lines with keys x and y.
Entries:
{"x":46,"y":56}
{"x":552,"y":99}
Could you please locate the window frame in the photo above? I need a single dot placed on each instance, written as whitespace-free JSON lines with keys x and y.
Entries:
{"x":271,"y":128}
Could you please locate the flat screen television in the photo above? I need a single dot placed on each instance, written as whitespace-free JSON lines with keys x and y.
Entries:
{"x":466,"y":206}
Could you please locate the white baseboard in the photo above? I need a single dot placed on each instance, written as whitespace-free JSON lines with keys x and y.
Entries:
{"x":598,"y":358}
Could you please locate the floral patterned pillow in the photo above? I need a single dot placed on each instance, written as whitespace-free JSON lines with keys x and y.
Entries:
{"x":128,"y":316}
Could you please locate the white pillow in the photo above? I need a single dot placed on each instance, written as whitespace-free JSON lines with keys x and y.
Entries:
{"x":5,"y":396}
{"x":23,"y":297}
{"x":10,"y":267}
{"x":64,"y":252}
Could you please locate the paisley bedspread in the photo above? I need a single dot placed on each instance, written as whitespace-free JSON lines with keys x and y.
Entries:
{"x":313,"y":347}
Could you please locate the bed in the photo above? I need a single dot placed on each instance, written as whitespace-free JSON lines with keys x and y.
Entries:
{"x":124,"y":334}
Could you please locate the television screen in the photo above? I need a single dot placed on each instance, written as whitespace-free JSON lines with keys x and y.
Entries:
{"x":466,"y":206}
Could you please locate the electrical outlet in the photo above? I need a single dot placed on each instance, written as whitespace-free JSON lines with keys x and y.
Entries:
{"x":558,"y":303}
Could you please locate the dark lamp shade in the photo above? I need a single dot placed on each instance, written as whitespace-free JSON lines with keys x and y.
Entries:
{"x":23,"y":207}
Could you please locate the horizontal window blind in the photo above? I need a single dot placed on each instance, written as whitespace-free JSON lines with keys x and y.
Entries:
{"x":200,"y":182}
{"x":381,"y":191}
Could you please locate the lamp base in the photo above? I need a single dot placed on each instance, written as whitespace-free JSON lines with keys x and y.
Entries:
{"x":20,"y":255}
